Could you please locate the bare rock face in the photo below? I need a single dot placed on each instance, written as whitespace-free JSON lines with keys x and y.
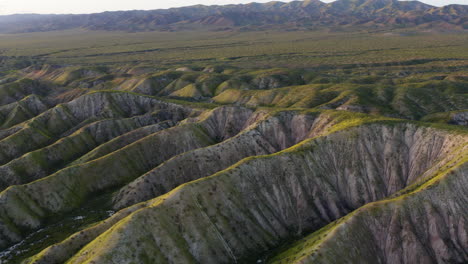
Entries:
{"x":268,"y":135}
{"x":424,"y":226}
{"x":256,"y":204}
{"x":460,"y":118}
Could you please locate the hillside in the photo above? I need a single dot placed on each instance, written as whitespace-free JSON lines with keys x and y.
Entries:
{"x":292,"y":15}
{"x":343,"y":144}
{"x":221,"y":164}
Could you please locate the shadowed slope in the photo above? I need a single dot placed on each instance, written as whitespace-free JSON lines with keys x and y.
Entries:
{"x":274,"y":133}
{"x":261,"y":202}
{"x":65,"y":119}
{"x":25,"y":207}
{"x":428,"y":225}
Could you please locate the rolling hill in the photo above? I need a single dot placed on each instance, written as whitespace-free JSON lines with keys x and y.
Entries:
{"x":226,"y":165}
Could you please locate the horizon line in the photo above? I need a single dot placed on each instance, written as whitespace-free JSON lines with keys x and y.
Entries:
{"x":176,"y":7}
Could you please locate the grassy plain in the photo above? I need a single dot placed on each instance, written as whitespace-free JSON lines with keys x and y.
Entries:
{"x":263,"y":49}
{"x":398,"y":73}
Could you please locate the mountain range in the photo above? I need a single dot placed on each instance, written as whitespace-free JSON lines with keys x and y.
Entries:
{"x":253,"y":16}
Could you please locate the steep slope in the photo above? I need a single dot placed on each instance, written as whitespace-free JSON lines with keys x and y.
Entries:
{"x":275,"y":133}
{"x":427,"y":225}
{"x":67,"y":118}
{"x":261,"y":202}
{"x":44,"y":161}
{"x":227,"y":164}
{"x":20,"y":111}
{"x":122,"y":141}
{"x":25,"y":207}
{"x":16,"y":90}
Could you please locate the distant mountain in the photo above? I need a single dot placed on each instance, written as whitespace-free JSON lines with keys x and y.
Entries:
{"x":309,"y":13}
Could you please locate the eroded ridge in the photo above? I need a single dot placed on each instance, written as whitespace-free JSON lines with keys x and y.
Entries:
{"x":260,"y":202}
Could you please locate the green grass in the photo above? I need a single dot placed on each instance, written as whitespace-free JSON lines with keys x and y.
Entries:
{"x":401,"y":74}
{"x":59,"y":229}
{"x":252,"y":49}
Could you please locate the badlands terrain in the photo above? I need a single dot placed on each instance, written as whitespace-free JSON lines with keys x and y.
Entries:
{"x":173,"y":137}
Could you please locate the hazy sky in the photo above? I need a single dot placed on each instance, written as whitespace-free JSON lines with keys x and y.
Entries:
{"x":92,"y":6}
